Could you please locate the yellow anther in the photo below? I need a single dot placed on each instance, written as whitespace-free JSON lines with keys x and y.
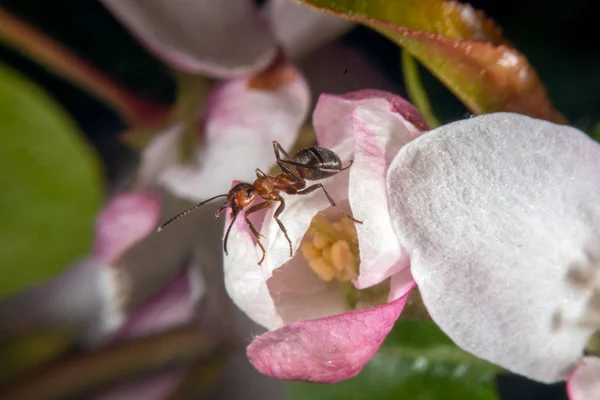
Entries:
{"x":342,"y":259}
{"x":309,"y":251}
{"x":331,"y":249}
{"x":320,"y":241}
{"x":322,"y":268}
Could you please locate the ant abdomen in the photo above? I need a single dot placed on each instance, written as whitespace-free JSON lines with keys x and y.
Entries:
{"x":324,"y":163}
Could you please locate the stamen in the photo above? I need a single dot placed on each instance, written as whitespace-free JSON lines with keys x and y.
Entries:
{"x":331,"y":249}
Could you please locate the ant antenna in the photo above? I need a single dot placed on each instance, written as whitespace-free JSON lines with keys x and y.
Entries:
{"x":186,"y":212}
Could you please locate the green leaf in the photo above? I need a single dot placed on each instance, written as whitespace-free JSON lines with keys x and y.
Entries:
{"x":416,"y":362}
{"x":415,"y":90}
{"x":32,"y":348}
{"x":458,"y":45}
{"x":50,"y":182}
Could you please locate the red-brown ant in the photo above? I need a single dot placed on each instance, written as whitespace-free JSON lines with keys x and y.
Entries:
{"x":309,"y":164}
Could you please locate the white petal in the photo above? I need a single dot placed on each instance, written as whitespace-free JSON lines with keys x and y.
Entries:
{"x":162,"y":151}
{"x":221,"y":38}
{"x":245,"y":280}
{"x":301,"y":29}
{"x":80,"y":300}
{"x":494,"y":211}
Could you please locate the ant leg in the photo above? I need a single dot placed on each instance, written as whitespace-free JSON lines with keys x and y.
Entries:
{"x":281,"y":226}
{"x":316,"y":186}
{"x":281,"y":163}
{"x":278,"y":148}
{"x":347,"y":166}
{"x":257,"y":235}
{"x":259,"y":173}
{"x":227,"y":233}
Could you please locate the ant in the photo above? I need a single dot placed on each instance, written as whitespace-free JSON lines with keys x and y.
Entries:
{"x":308,"y":164}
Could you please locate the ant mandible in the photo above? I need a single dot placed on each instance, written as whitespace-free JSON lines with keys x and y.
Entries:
{"x":308,"y":164}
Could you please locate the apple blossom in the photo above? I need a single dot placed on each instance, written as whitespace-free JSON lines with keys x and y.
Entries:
{"x":330,"y":306}
{"x":499,"y":215}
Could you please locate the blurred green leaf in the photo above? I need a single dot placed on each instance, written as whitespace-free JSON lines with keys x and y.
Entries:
{"x":50,"y":184}
{"x":460,"y":47}
{"x":32,"y":348}
{"x":418,"y":362}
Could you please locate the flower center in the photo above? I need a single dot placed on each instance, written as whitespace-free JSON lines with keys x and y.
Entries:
{"x":331,"y":249}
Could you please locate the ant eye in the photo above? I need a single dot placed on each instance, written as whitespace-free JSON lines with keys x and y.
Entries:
{"x":249,"y":192}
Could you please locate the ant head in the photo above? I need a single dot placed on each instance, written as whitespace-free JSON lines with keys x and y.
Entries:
{"x":242,"y":195}
{"x":239,"y":197}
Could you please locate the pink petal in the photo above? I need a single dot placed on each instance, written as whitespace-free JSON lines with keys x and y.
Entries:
{"x":325,"y":350}
{"x":496,"y":211}
{"x":220,"y":38}
{"x":241,"y":122}
{"x":301,"y":29}
{"x":332,"y":115}
{"x":126,"y":220}
{"x":584,"y":383}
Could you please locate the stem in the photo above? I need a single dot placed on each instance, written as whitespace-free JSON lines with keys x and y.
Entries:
{"x":415,"y":90}
{"x":34,"y":44}
{"x":81,"y":374}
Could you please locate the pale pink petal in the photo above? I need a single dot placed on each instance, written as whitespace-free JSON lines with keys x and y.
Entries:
{"x":378,"y":135}
{"x":401,"y":283}
{"x":299,"y":294}
{"x":584,"y":383}
{"x":173,"y":305}
{"x":245,"y":280}
{"x":496,"y":211}
{"x":325,"y":350}
{"x":241,"y":123}
{"x":127,"y":219}
{"x":332,"y":115}
{"x":301,"y":29}
{"x":143,"y":269}
{"x":220,"y":38}
{"x":76,"y":300}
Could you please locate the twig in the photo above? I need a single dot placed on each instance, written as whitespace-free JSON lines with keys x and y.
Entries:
{"x":113,"y":363}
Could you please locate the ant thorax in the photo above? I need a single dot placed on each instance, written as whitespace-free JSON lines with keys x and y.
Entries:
{"x":266,"y":186}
